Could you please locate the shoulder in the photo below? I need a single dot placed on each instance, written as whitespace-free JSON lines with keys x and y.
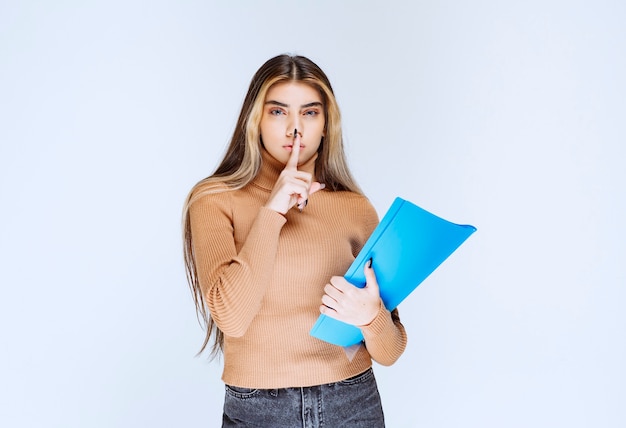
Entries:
{"x":358,"y":200}
{"x":355,"y":205}
{"x":210,"y":196}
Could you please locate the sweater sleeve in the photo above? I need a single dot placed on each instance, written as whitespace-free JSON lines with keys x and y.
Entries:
{"x":233,"y":283}
{"x":385,"y":337}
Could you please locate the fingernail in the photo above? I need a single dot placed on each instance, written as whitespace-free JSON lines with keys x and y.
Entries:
{"x":369,"y":263}
{"x":295,"y":132}
{"x":303,"y":205}
{"x":322,"y":186}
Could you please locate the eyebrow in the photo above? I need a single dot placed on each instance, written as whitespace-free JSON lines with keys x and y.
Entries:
{"x":278,"y":103}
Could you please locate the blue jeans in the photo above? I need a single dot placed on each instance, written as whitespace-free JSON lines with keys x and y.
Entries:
{"x":353,"y":403}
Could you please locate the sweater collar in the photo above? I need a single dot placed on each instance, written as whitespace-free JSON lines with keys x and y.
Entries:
{"x":271,"y":169}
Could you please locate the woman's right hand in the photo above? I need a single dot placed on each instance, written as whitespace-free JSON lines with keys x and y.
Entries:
{"x":293,"y":186}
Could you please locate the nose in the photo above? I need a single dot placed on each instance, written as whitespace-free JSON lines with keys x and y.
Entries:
{"x":292,"y":125}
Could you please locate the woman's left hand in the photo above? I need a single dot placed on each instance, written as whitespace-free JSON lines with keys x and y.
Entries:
{"x":350,"y":304}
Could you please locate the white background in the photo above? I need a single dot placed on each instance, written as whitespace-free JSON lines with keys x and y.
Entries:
{"x":506,"y":115}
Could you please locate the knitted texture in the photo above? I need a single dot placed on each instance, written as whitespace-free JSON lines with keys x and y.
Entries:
{"x":262,"y":275}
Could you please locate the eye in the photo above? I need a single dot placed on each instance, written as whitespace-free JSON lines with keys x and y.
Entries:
{"x":276,"y":112}
{"x":313,"y":112}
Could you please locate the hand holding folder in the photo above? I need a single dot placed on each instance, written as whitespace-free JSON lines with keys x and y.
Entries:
{"x":405,"y":248}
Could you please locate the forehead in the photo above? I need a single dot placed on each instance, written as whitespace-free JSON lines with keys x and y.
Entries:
{"x":298,"y":92}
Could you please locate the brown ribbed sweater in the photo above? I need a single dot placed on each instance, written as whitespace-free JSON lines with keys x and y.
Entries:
{"x":263,"y":274}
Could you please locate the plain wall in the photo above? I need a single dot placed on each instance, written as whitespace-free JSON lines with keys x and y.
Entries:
{"x":505,"y":115}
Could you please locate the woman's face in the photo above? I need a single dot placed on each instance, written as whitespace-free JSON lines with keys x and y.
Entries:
{"x":289,"y":106}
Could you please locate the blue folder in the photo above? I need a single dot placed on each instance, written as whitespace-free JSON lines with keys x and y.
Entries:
{"x":406,"y":247}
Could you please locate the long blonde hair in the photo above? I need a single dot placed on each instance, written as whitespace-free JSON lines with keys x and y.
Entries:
{"x":242,"y":160}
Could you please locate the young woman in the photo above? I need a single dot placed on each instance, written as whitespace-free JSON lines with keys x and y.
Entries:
{"x":266,"y":240}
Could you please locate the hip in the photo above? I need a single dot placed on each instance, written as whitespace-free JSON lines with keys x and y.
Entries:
{"x":353,"y":402}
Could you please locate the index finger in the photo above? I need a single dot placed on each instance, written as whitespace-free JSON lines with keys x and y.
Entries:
{"x":340,"y":283}
{"x":292,"y":163}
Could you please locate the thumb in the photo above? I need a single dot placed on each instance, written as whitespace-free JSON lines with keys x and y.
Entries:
{"x":315,"y":186}
{"x":370,"y":277}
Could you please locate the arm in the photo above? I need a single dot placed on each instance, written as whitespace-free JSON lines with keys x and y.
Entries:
{"x":233,"y":284}
{"x":385,"y":337}
{"x":384,"y":334}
